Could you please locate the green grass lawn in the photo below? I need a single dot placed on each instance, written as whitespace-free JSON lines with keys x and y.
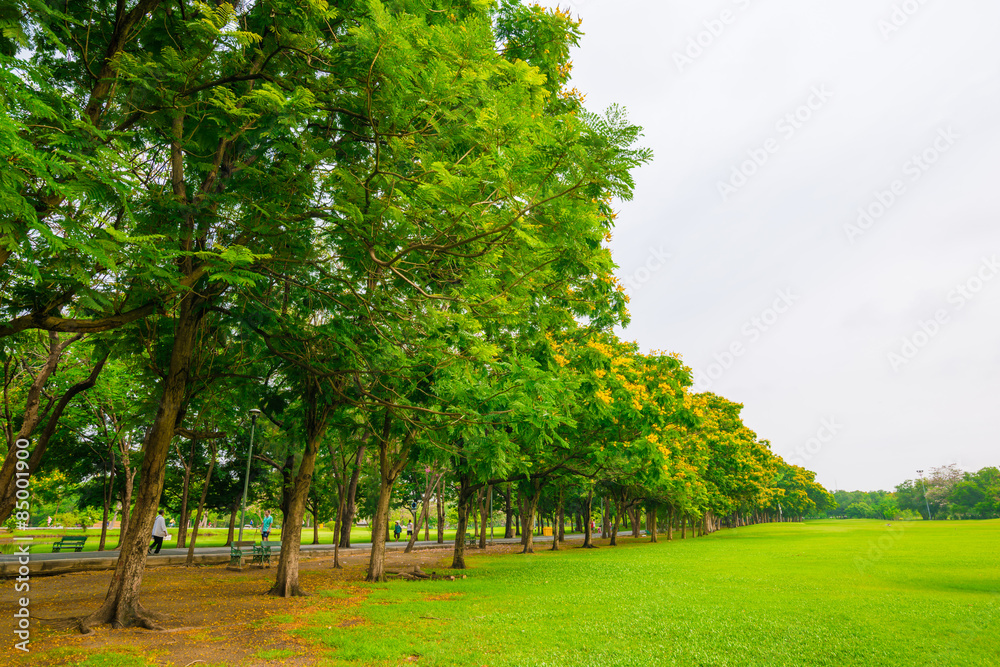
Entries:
{"x":822,"y":593}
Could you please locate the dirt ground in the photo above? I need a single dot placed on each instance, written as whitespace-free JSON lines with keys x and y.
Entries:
{"x":209,"y":614}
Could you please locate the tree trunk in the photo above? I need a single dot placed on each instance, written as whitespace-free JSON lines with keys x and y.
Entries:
{"x":388,"y":472}
{"x":528,"y":521}
{"x":588,"y":536}
{"x":484,"y":512}
{"x":555,"y":518}
{"x":508,"y":526}
{"x":670,"y":525}
{"x":232,"y":524}
{"x":464,"y":505}
{"x":651,"y":522}
{"x":605,"y":517}
{"x":109,"y":494}
{"x":440,"y":511}
{"x":613,"y":529}
{"x":315,"y":528}
{"x":201,"y":507}
{"x":562,"y":519}
{"x":636,"y":513}
{"x":182,"y":520}
{"x":127,"y":486}
{"x":121,"y":606}
{"x":286,"y":582}
{"x":347,"y":518}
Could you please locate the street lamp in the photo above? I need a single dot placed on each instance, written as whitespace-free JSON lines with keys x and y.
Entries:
{"x":926,"y":504}
{"x":254,"y":413}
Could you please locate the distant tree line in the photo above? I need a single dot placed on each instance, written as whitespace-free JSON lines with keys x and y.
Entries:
{"x":947,"y":492}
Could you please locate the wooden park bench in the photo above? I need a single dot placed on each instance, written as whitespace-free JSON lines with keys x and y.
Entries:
{"x":261,"y":554}
{"x":237,"y":552}
{"x":69,"y":543}
{"x":471,"y":541}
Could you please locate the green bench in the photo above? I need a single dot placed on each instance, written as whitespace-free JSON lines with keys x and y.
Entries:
{"x":261,"y":554}
{"x":69,"y":543}
{"x":237,"y":552}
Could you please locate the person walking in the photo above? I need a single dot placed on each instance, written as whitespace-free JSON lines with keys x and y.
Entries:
{"x":409,"y":529}
{"x":159,"y":532}
{"x":397,"y":529}
{"x":265,"y":525}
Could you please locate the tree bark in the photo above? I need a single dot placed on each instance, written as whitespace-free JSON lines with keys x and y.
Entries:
{"x":388,"y":473}
{"x":121,"y":606}
{"x":350,"y":507}
{"x":464,"y":505}
{"x":440,"y":512}
{"x":651,"y":522}
{"x":286,"y":582}
{"x":185,"y":490}
{"x":588,"y":533}
{"x":555,"y":517}
{"x":201,"y":505}
{"x":232,"y":524}
{"x":508,"y":526}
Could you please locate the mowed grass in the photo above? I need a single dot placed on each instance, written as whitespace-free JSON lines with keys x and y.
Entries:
{"x":821,"y":593}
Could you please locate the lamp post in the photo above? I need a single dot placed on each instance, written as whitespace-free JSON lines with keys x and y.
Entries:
{"x":926,"y":504}
{"x":254,"y":413}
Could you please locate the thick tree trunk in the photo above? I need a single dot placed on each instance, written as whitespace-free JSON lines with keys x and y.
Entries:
{"x":464,"y":506}
{"x":315,"y":528}
{"x":121,"y":606}
{"x":530,"y":506}
{"x":201,"y":508}
{"x":286,"y":582}
{"x":636,"y":521}
{"x":350,"y":507}
{"x":388,"y":472}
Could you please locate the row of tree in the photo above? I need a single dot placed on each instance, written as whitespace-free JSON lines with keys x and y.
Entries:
{"x":946,"y":492}
{"x":384,"y":225}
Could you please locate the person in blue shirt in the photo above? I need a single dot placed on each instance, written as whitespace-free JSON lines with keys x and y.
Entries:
{"x":397,"y":529}
{"x":265,"y":525}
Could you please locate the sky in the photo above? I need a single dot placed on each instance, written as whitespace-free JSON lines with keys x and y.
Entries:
{"x":817,"y":234}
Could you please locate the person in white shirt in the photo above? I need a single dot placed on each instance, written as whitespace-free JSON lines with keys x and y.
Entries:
{"x":159,"y":532}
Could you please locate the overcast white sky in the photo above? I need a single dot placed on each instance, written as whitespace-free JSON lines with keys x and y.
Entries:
{"x":882,"y":94}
